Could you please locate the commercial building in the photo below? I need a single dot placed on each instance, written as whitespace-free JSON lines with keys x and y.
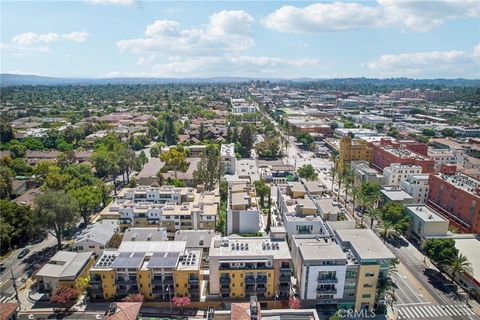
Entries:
{"x":159,"y":270}
{"x":244,"y":267}
{"x":243,"y":213}
{"x":167,"y":206}
{"x":364,"y":173}
{"x":372,"y":119}
{"x":64,"y":269}
{"x":94,"y":237}
{"x":227,"y":152}
{"x":457,"y":197}
{"x":352,"y":150}
{"x":442,"y":156}
{"x":395,"y":173}
{"x":310,"y":124}
{"x":416,"y":186}
{"x":387,"y":152}
{"x":468,"y":246}
{"x":425,"y":223}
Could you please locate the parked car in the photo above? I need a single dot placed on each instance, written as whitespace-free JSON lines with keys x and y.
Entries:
{"x":23,"y":253}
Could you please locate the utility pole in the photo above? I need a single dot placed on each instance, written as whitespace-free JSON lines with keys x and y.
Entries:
{"x":15,"y":286}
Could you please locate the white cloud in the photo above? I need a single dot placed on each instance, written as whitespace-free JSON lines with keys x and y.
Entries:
{"x":29,"y":38}
{"x":112,"y":2}
{"x":428,"y":64}
{"x":338,"y":16}
{"x":21,"y":51}
{"x":321,"y":17}
{"x":227,"y":31}
{"x":225,"y":66}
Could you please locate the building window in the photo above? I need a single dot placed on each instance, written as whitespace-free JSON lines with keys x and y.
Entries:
{"x":369,"y":274}
{"x":366,"y":296}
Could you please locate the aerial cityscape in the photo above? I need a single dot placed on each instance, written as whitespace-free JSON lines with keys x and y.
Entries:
{"x":240,"y":160}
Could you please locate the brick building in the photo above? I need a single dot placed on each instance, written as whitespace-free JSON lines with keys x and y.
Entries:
{"x":408,"y":152}
{"x":457,"y":197}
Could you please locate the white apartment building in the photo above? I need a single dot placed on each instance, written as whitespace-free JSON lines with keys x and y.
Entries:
{"x":416,"y":185}
{"x":396,"y":172}
{"x":227,"y":152}
{"x":243,"y":214}
{"x":240,"y":106}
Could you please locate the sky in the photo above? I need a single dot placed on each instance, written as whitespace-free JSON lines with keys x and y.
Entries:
{"x":262,"y":39}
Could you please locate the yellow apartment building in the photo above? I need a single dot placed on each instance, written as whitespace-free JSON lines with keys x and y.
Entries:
{"x":243,"y":267}
{"x":158,"y":270}
{"x":353,"y":149}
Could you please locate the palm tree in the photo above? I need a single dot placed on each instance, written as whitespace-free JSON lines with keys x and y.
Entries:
{"x":386,"y":229}
{"x":348,"y":182}
{"x":333,"y":174}
{"x":340,"y":179}
{"x":373,"y":213}
{"x":458,"y":264}
{"x":355,"y":193}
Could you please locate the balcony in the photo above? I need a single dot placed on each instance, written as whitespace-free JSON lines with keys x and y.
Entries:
{"x":327,"y":280}
{"x":326,"y":291}
{"x":285,"y":269}
{"x":250,"y":289}
{"x":168,"y":280}
{"x":224,"y":280}
{"x":249,"y":279}
{"x":284,"y":287}
{"x":157,"y":290}
{"x":285,"y":277}
{"x":193,"y":280}
{"x":261,"y":289}
{"x":127,"y":280}
{"x":127,"y":291}
{"x":224,"y":290}
{"x":261,"y":279}
{"x":157,"y":280}
{"x":95,"y":281}
{"x":194,"y":289}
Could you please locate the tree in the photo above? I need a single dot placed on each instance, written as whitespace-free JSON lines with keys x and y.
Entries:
{"x":307,"y":172}
{"x":56,"y":212}
{"x":6,"y":131}
{"x":428,"y":132}
{"x":66,"y":158}
{"x":5,"y":183}
{"x":169,"y":132}
{"x":448,"y":132}
{"x":201,"y":132}
{"x":458,"y":264}
{"x":373,"y":213}
{"x":64,"y":295}
{"x":88,"y":198}
{"x":268,"y":148}
{"x":393,"y":132}
{"x":441,"y":250}
{"x":386,"y":229}
{"x":246,"y":140}
{"x":155,"y":151}
{"x":294,"y":303}
{"x":181,"y":302}
{"x":18,"y":150}
{"x":42,"y":168}
{"x":174,"y":159}
{"x":333,"y":126}
{"x":262,"y":190}
{"x":134,"y":297}
{"x":160,"y":178}
{"x":269,"y":217}
{"x":17,"y":224}
{"x":395,"y":214}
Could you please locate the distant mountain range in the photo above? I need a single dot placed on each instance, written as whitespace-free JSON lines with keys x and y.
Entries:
{"x":8,"y":79}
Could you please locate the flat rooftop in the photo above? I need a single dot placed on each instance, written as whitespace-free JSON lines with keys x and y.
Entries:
{"x":425,"y":213}
{"x":365,"y":244}
{"x":321,"y":252}
{"x":242,"y":248}
{"x":396,"y":194}
{"x":462,"y":181}
{"x":469,"y":248}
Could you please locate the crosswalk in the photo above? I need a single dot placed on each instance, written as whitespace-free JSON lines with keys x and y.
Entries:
{"x":4,"y":299}
{"x":433,"y":311}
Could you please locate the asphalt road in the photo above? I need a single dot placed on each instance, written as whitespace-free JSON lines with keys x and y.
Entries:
{"x":13,"y":263}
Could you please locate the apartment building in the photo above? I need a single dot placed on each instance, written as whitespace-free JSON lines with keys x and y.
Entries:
{"x":243,"y":214}
{"x":364,"y":173}
{"x":167,"y":206}
{"x":299,"y":212}
{"x":442,"y":156}
{"x":95,"y":237}
{"x":352,"y":150}
{"x":387,"y":152}
{"x":159,"y":270}
{"x":227,"y":152}
{"x":241,"y":106}
{"x":417,"y":187}
{"x":244,"y":267}
{"x":395,"y":173}
{"x":371,"y":257}
{"x":457,"y":197}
